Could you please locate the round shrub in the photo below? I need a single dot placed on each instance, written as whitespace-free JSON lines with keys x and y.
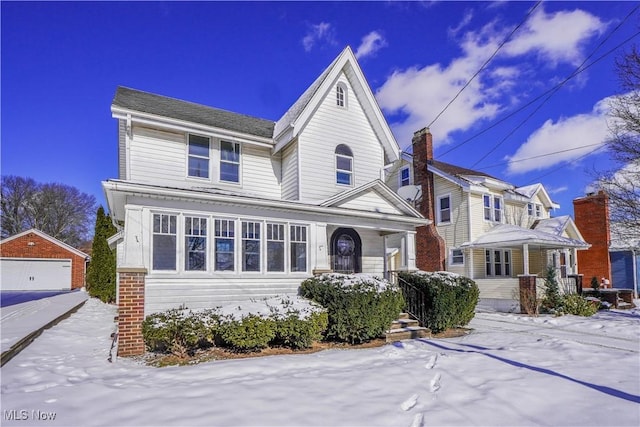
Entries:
{"x":296,"y":332}
{"x":178,"y":331}
{"x":251,"y":333}
{"x":579,"y":306}
{"x":359,"y":307}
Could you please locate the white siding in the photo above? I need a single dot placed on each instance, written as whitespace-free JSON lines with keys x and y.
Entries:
{"x":499,"y":288}
{"x":290,"y":172}
{"x":371,"y":202}
{"x":260,"y":172}
{"x":457,"y":232}
{"x":393,"y":175}
{"x":330,"y":126}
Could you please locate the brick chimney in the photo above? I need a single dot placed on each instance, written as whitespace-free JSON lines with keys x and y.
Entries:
{"x":430,"y":247}
{"x":592,"y":219}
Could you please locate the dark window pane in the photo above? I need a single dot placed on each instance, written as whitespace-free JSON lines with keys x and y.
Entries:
{"x":230,"y":172}
{"x":343,"y":178}
{"x":343,"y":163}
{"x":224,"y":255}
{"x":298,"y":257}
{"x":164,"y":252}
{"x":275,"y":256}
{"x":198,"y":167}
{"x":198,"y":145}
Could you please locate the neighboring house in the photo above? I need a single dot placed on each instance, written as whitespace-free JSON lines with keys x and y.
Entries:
{"x":592,"y":218}
{"x":218,"y":207}
{"x":35,"y":261}
{"x":500,"y":235}
{"x":624,"y":254}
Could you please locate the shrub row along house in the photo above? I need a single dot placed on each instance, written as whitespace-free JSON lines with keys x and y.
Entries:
{"x":216,"y":207}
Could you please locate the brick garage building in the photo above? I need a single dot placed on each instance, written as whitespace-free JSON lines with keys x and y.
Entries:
{"x":33,"y":260}
{"x":592,"y":219}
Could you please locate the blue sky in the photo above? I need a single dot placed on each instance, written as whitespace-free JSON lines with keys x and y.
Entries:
{"x":61,"y":64}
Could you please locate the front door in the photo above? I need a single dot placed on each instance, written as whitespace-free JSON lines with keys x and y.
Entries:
{"x":346,"y":248}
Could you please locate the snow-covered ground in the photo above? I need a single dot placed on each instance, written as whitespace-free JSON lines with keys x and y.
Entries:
{"x":511,"y":370}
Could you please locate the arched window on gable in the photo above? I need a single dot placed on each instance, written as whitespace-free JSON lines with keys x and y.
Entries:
{"x":341,"y":95}
{"x":344,"y":165}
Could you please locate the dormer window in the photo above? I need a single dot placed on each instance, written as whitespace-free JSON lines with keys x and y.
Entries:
{"x":538,"y":211}
{"x":341,"y":95}
{"x":344,"y":165}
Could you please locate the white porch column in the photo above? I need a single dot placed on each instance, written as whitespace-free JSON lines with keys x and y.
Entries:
{"x":132,"y":247}
{"x":525,"y":258}
{"x":409,"y":252}
{"x":574,"y":261}
{"x":321,"y":252}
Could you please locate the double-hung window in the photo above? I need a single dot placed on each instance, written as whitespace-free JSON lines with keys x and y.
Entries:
{"x":492,"y":208}
{"x":250,"y":246}
{"x":164,"y":242}
{"x":340,"y":96}
{"x":298,"y":237}
{"x":195,"y":244}
{"x":198,"y":156}
{"x":224,"y":245}
{"x":486,"y":203}
{"x":405,"y":177}
{"x":498,"y":262}
{"x":538,"y":211}
{"x":530,"y":209}
{"x":344,"y":165}
{"x":497,"y":209}
{"x":275,"y":247}
{"x":457,"y":257}
{"x":444,"y":209}
{"x":229,"y":161}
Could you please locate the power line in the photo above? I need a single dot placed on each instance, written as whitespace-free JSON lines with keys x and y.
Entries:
{"x":485,"y":63}
{"x":557,"y":87}
{"x":495,"y":165}
{"x":562,"y":166}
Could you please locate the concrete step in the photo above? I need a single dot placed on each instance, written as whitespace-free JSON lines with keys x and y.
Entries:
{"x":404,"y":316}
{"x":411,"y":332}
{"x":404,"y":323}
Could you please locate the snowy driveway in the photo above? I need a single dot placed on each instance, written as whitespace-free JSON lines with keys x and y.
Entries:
{"x":512,"y":370}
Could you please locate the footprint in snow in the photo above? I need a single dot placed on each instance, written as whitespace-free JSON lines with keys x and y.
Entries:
{"x":435,"y":383}
{"x":417,"y":420}
{"x":431,"y":362}
{"x":409,"y":403}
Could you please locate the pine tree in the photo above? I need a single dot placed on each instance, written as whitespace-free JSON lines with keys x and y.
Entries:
{"x":101,"y":274}
{"x":553,"y":300}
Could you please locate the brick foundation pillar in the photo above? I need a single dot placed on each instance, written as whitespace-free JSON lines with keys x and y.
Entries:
{"x":130,"y":311}
{"x":579,"y":279}
{"x":528,"y":293}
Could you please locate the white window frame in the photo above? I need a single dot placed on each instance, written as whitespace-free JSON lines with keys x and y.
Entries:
{"x":275,"y":232}
{"x":439,"y":209}
{"x":486,"y":208}
{"x":238,"y":163}
{"x":530,"y":210}
{"x":250,"y":235}
{"x":453,"y":256}
{"x":490,"y":209}
{"x":538,"y":210}
{"x":401,"y":179}
{"x":298,"y":233}
{"x":341,"y":95}
{"x":498,"y":211}
{"x":168,"y":232}
{"x":229,"y":234}
{"x":345,"y":171}
{"x":505,"y":262}
{"x":199,"y":233}
{"x":197,"y":156}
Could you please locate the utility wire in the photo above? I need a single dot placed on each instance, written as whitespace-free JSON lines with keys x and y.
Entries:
{"x":495,"y":165}
{"x":508,"y":116}
{"x":562,"y":166}
{"x":557,"y":87}
{"x":485,"y":63}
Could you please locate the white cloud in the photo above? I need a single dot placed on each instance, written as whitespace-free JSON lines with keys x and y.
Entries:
{"x":418,"y":94}
{"x":318,"y":33}
{"x":570,"y":138}
{"x":556,"y":190}
{"x":371,"y":43}
{"x":466,"y":19}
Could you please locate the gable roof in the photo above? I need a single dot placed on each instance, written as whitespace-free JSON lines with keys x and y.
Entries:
{"x":507,"y":235}
{"x":158,"y":105}
{"x":529,"y":191}
{"x":49,"y":238}
{"x":458,"y":170}
{"x":558,"y":226}
{"x":295,"y":119}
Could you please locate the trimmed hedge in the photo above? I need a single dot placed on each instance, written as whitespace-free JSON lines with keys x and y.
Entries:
{"x":179,"y":331}
{"x":252,"y":333}
{"x":450,"y":299}
{"x":359,"y":307}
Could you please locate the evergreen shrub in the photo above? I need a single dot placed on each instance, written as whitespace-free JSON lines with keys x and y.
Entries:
{"x":449,"y":299}
{"x":297,"y":333}
{"x":579,"y":306}
{"x":251,"y":333}
{"x":359,"y":307}
{"x":179,"y":331}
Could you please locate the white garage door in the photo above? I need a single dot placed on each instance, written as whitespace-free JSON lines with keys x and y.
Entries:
{"x":34,"y":274}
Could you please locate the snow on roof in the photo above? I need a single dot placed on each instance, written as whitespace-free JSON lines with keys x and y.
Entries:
{"x":554,"y":225}
{"x":505,"y":235}
{"x":528,"y":190}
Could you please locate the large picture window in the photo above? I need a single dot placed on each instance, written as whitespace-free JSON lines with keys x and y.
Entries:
{"x":298,"y":248}
{"x":198,"y":156}
{"x":164,"y":242}
{"x":195,"y":244}
{"x":275,"y":247}
{"x":498,"y":262}
{"x":224,"y":245}
{"x":250,"y":246}
{"x":229,"y":161}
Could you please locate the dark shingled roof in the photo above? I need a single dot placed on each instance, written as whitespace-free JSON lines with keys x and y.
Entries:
{"x":457,"y":170}
{"x":174,"y":108}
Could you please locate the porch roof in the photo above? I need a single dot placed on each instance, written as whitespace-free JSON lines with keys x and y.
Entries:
{"x":507,"y":235}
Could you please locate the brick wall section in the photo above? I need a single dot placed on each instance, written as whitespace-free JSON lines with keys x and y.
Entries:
{"x":592,"y":219}
{"x":430,"y":247}
{"x":528,"y":293}
{"x":42,"y":248}
{"x":130,"y":311}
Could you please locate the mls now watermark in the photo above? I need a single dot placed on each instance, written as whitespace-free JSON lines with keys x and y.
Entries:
{"x":25,"y":415}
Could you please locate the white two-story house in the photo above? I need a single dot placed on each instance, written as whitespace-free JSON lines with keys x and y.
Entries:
{"x":217,"y":207}
{"x":483,"y":227}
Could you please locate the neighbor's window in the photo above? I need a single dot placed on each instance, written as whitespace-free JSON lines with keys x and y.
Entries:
{"x":486,"y":201}
{"x":344,"y":165}
{"x":530,"y":209}
{"x":497,"y":209}
{"x":298,"y":248}
{"x":195,"y":244}
{"x":498,"y":262}
{"x":224,"y":245}
{"x":405,"y":177}
{"x":457,"y":257}
{"x":444,"y":209}
{"x":198,"y":156}
{"x":341,"y":95}
{"x":229,"y":161}
{"x":164,"y":241}
{"x":492,"y":207}
{"x":250,"y":246}
{"x":538,"y":211}
{"x":275,"y":247}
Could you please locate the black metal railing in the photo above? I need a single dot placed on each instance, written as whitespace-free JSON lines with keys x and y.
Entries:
{"x":415,"y":300}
